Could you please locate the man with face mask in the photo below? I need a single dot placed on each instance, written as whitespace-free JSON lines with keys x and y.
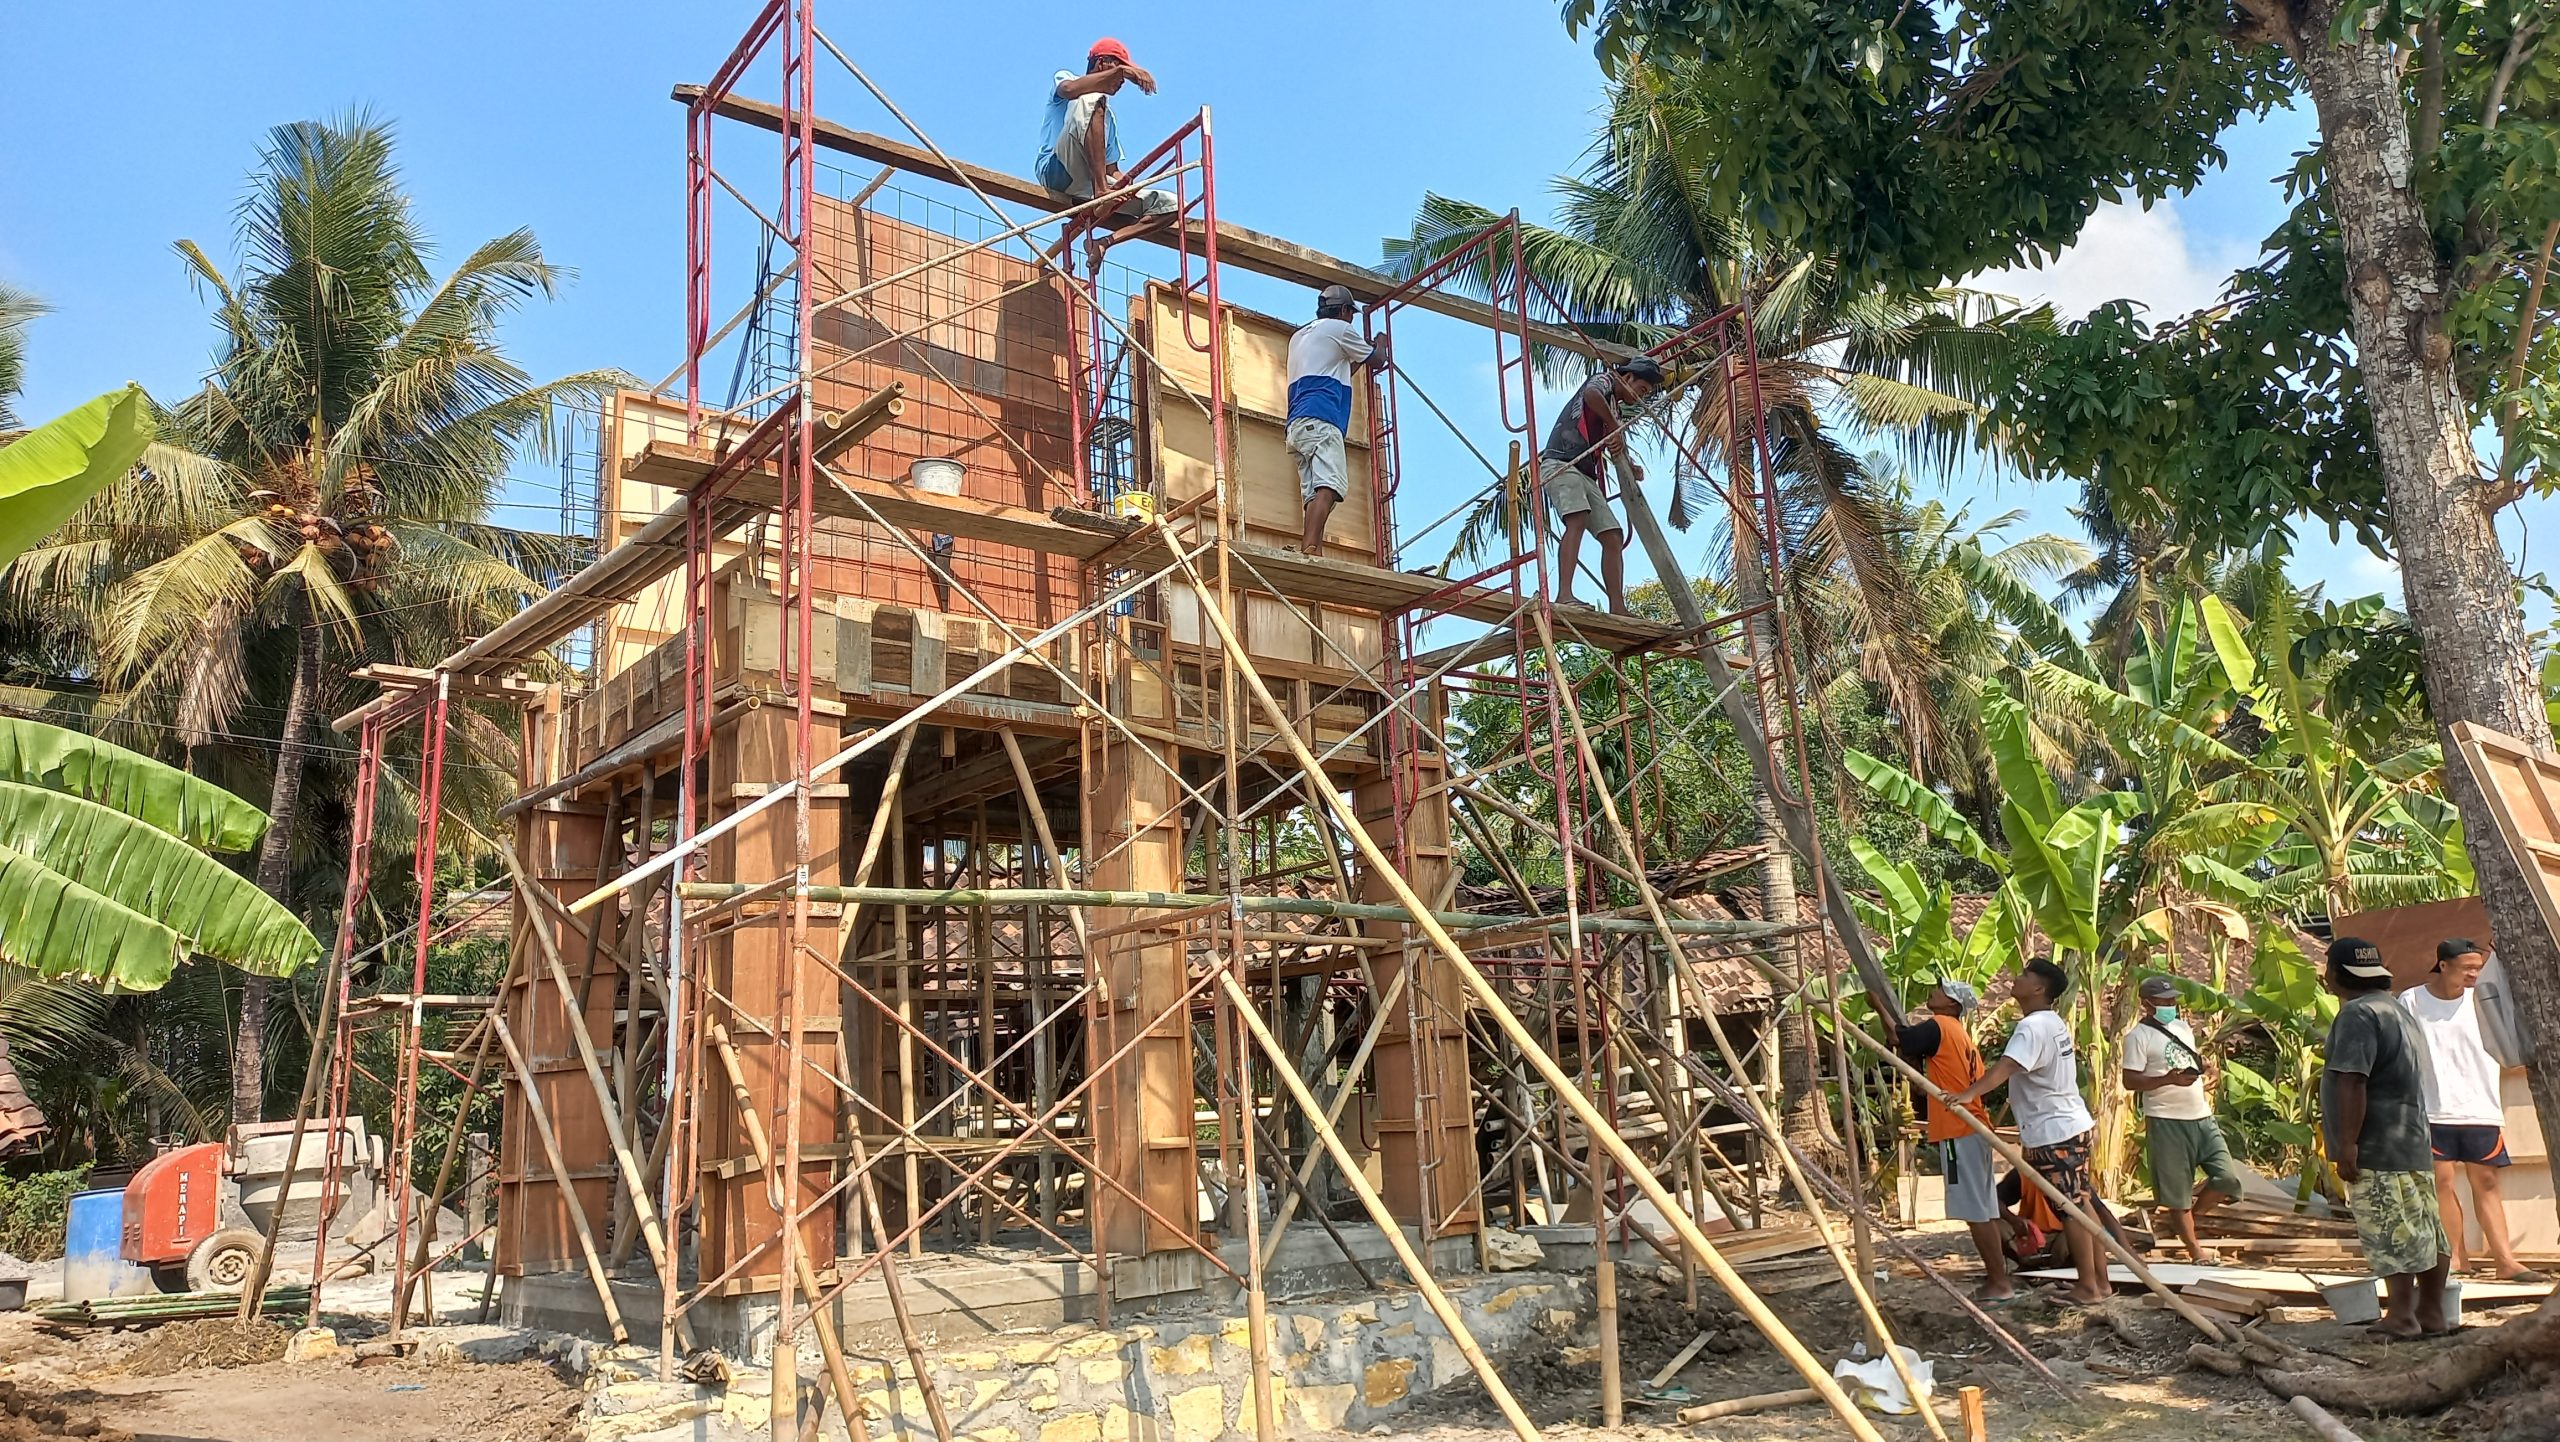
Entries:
{"x":2164,"y":1068}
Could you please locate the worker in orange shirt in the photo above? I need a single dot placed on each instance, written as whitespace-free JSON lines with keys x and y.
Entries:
{"x":1940,"y":1046}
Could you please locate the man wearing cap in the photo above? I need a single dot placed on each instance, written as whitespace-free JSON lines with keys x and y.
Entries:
{"x":1569,"y":471}
{"x":2163,"y":1067}
{"x":1322,"y":355}
{"x":1079,"y":154}
{"x":1940,"y":1046}
{"x":2373,"y":1110}
{"x":2466,"y":1113}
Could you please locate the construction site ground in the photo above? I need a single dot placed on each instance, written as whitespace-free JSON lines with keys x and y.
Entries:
{"x":2126,"y":1365}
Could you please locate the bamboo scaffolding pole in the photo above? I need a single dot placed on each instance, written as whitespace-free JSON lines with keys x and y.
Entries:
{"x":1596,"y":1125}
{"x":830,"y":1346}
{"x":1044,"y":1076}
{"x":626,"y":1160}
{"x":1382,"y":1009}
{"x":2071,"y":1210}
{"x":1376,"y":1206}
{"x":1990,"y":1325}
{"x":435,"y":1196}
{"x":896,"y":1292}
{"x":1086,"y":898}
{"x":325,"y":1028}
{"x":541,"y":1116}
{"x":2016,"y":1158}
{"x":1589,"y":761}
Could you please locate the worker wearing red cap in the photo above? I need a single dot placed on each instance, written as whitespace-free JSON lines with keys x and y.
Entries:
{"x":1079,"y":136}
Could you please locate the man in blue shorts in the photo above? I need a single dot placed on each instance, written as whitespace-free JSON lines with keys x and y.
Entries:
{"x":2466,"y":1115}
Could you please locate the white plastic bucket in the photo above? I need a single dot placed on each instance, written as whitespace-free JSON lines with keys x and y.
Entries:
{"x":940,"y":476}
{"x":2355,"y":1302}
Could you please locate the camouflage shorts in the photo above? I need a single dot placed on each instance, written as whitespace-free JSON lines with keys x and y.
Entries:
{"x":2397,"y":1220}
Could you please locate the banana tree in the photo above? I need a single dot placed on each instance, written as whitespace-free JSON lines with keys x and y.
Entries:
{"x":2330,"y":826}
{"x":1917,"y":920}
{"x":2056,"y":865}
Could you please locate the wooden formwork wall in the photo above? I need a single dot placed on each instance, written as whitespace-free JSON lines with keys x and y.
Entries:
{"x":561,"y":848}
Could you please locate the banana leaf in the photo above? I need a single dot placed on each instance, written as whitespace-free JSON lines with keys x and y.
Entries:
{"x":54,"y":926}
{"x":47,"y":473}
{"x":211,"y":908}
{"x":192,"y":809}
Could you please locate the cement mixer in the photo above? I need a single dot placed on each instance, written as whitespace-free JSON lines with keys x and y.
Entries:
{"x":196,"y":1215}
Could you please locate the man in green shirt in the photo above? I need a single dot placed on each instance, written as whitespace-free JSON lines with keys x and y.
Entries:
{"x":2373,"y":1110}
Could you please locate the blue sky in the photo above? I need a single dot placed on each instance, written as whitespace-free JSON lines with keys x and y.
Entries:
{"x":1332,"y":120}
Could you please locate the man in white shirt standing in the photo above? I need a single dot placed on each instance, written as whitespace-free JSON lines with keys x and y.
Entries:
{"x":2163,"y":1067}
{"x":2466,"y":1117}
{"x":2041,"y":1068}
{"x":1322,"y":355}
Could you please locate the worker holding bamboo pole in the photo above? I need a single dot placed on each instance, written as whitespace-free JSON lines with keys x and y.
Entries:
{"x":1941,"y":1046}
{"x":2042,"y":1071}
{"x":1586,"y":432}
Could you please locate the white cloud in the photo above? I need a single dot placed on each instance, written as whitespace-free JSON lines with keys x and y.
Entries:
{"x":2126,"y":253}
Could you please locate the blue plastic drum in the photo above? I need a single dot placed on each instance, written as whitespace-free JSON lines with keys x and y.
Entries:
{"x":93,"y":1263}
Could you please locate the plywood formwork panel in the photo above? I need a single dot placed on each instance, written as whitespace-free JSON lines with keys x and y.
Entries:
{"x":1143,"y":1107}
{"x":1426,"y":1106}
{"x":560,"y":852}
{"x":1268,"y":498}
{"x":745,"y":968}
{"x":630,"y":424}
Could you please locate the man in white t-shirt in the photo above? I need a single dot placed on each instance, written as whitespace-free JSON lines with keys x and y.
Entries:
{"x":2163,"y":1067}
{"x":2466,"y":1115}
{"x":2041,"y":1068}
{"x":1322,"y":355}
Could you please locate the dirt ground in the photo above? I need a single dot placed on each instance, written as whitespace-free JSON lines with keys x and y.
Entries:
{"x":2123,"y":1371}
{"x":190,"y":1383}
{"x":2125,"y":1368}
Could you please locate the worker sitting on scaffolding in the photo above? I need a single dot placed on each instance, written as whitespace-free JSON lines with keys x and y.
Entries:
{"x":1080,"y":143}
{"x":1569,"y":472}
{"x":1322,"y":355}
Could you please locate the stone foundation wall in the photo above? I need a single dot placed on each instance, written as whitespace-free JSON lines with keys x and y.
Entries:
{"x":1336,"y":1363}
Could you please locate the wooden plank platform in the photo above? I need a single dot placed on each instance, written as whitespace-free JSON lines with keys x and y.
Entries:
{"x":1237,"y":246}
{"x":1085,"y":535}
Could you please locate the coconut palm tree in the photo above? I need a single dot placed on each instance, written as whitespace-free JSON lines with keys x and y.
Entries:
{"x":1979,"y":617}
{"x":1647,"y":245}
{"x":17,"y":308}
{"x":330,"y":499}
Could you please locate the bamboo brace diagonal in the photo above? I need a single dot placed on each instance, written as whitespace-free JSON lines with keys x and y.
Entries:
{"x":1596,"y":1125}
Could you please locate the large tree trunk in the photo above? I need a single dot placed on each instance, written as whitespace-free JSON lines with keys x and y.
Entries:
{"x":275,"y":855}
{"x":2459,"y":589}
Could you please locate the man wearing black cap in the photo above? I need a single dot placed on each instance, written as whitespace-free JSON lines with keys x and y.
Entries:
{"x":1322,"y":355}
{"x":2373,"y":1110}
{"x":1569,"y":471}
